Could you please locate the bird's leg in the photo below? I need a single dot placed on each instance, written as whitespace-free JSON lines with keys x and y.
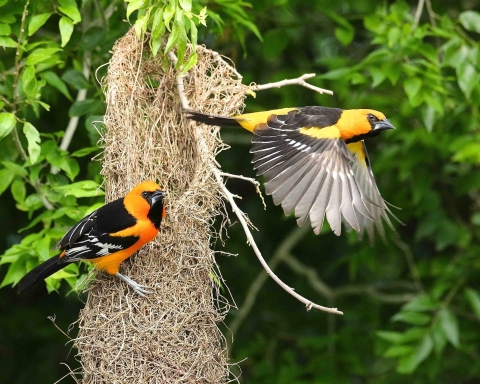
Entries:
{"x":136,"y":287}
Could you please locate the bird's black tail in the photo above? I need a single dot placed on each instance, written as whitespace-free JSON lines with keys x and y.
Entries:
{"x":221,"y":121}
{"x":40,"y":272}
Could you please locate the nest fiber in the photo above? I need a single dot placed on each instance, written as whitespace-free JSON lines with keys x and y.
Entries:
{"x":172,"y":335}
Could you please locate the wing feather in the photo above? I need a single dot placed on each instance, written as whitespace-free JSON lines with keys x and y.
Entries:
{"x":317,"y":177}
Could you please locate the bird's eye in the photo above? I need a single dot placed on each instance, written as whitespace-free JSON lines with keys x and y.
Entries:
{"x":144,"y":195}
{"x":372,"y":118}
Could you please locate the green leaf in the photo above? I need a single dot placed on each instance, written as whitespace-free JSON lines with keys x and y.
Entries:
{"x":7,"y":42}
{"x":14,"y":274}
{"x":83,"y":107}
{"x":71,"y":167}
{"x":40,"y":54}
{"x":409,"y":364}
{"x":344,"y":35}
{"x":29,"y":81}
{"x":33,"y":138}
{"x":36,"y":22}
{"x":84,"y":151}
{"x":473,"y":297}
{"x":7,"y":123}
{"x":5,"y":30}
{"x":6,"y":177}
{"x":390,"y":336}
{"x":470,"y":21}
{"x":412,"y":86}
{"x":467,"y":76}
{"x":421,"y":303}
{"x":414,"y":318}
{"x":15,"y":168}
{"x":450,"y":325}
{"x":42,"y":248}
{"x":69,"y":8}
{"x":190,"y":62}
{"x":52,"y":79}
{"x":398,"y":351}
{"x":19,"y":192}
{"x":76,"y":79}
{"x":66,"y":29}
{"x":439,"y":338}
{"x":168,"y":13}
{"x":186,"y":5}
{"x":133,"y":6}
{"x":62,"y":274}
{"x":86,"y":188}
{"x":172,"y":39}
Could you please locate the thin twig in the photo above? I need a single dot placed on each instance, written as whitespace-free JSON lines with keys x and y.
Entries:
{"x":298,"y":81}
{"x":240,"y":215}
{"x":16,"y":76}
{"x":241,"y":218}
{"x":52,"y":319}
{"x":17,"y":55}
{"x":431,"y":14}
{"x":81,"y":95}
{"x":250,"y":180}
{"x":418,"y":14}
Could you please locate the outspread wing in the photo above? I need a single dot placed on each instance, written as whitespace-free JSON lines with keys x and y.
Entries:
{"x":310,"y":170}
{"x":373,"y":199}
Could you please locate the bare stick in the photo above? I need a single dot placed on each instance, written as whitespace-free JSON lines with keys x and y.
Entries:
{"x":81,"y":95}
{"x":298,"y":81}
{"x":250,"y":180}
{"x":418,"y":14}
{"x":241,"y":218}
{"x":238,"y":212}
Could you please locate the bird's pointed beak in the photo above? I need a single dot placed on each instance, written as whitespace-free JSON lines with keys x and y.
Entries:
{"x":383,"y":125}
{"x":157,"y":196}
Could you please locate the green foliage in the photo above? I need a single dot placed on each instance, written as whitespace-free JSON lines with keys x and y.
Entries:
{"x":412,"y":306}
{"x":36,"y":70}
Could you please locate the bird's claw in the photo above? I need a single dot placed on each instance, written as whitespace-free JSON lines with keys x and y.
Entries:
{"x":138,"y":288}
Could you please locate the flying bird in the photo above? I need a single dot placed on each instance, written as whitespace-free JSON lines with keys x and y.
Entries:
{"x":315,"y":163}
{"x":108,"y":235}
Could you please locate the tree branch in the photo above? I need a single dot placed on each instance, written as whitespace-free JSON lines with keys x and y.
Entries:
{"x":81,"y":95}
{"x":298,"y":81}
{"x":240,"y":215}
{"x":418,"y":14}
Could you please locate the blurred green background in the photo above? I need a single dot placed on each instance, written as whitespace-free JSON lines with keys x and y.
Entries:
{"x":412,"y":304}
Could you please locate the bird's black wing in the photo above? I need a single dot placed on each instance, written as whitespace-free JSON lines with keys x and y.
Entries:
{"x":92,"y":236}
{"x":308,"y":169}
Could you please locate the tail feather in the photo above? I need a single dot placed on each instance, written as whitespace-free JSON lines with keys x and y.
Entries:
{"x":40,"y":272}
{"x":221,"y":121}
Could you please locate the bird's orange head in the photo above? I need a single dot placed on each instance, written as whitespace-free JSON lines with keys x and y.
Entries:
{"x":146,"y":201}
{"x":359,"y":124}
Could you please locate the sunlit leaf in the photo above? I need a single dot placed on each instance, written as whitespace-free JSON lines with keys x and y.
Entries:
{"x":470,"y":21}
{"x":70,"y":8}
{"x":66,"y":29}
{"x":33,"y":138}
{"x":37,"y":22}
{"x":7,"y":123}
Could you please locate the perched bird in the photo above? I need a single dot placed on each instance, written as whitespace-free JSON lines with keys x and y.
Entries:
{"x":108,"y":235}
{"x":315,"y":163}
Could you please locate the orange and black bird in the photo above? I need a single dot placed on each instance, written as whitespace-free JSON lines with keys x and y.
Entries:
{"x":108,"y":235}
{"x":315,"y":163}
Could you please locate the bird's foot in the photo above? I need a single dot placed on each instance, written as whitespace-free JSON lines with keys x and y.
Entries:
{"x":138,"y":288}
